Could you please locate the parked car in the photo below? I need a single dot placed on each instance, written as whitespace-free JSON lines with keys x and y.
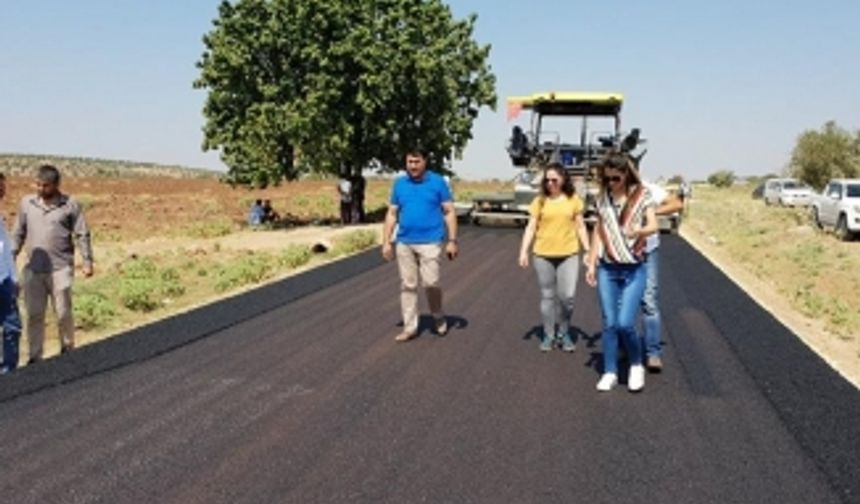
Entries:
{"x":838,"y":207}
{"x":786,"y":192}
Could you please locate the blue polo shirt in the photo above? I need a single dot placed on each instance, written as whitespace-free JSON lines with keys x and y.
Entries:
{"x":419,"y":202}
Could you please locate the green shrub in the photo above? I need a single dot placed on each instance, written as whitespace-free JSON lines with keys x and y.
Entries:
{"x":171,"y":284}
{"x":92,"y":310}
{"x":249,"y":269}
{"x":354,"y":241}
{"x":723,"y":178}
{"x":139,"y":294}
{"x":295,"y":256}
{"x":143,"y":287}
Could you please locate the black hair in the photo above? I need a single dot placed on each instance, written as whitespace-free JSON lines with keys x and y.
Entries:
{"x":49,"y":173}
{"x":417,"y":151}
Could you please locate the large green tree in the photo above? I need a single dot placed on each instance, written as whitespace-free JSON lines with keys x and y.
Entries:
{"x":832,"y":152}
{"x":298,"y":86}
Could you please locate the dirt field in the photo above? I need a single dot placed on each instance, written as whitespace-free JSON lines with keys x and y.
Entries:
{"x":119,"y":209}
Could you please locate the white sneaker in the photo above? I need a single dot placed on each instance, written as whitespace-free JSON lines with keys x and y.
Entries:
{"x":607,"y":381}
{"x":636,"y":380}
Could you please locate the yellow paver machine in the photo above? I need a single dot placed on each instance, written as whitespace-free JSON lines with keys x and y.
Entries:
{"x":530,"y":150}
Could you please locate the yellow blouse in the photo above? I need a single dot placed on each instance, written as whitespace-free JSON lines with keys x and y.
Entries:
{"x":556,"y":232}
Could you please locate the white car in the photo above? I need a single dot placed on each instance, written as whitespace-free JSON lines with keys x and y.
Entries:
{"x":838,"y":208}
{"x":787,"y":192}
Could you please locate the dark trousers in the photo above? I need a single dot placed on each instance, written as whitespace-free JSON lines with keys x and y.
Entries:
{"x":10,"y":318}
{"x":346,"y":212}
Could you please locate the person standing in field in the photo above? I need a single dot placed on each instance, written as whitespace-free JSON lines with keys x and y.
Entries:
{"x":359,"y":187}
{"x":344,"y":190}
{"x":616,"y":265}
{"x":422,"y":208}
{"x":49,"y":223}
{"x":556,"y":228}
{"x":10,"y":318}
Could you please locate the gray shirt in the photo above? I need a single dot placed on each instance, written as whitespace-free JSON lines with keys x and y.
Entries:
{"x":50,"y":230}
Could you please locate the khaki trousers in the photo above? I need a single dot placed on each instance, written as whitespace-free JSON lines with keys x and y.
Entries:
{"x":412,"y":261}
{"x":38,"y":288}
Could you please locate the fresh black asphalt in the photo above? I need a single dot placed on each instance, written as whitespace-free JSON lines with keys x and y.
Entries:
{"x":297,"y":392}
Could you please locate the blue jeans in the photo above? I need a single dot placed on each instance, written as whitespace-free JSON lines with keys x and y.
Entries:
{"x":11,"y":321}
{"x":620,"y":287}
{"x":650,"y":309}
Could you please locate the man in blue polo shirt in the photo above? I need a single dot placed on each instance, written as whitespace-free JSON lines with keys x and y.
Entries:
{"x":422,"y":208}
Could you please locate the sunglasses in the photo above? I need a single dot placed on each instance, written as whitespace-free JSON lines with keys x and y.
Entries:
{"x":614,"y":179}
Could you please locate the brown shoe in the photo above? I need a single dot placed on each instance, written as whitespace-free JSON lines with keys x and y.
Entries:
{"x":404,"y":336}
{"x":441,"y":326}
{"x":654,"y":364}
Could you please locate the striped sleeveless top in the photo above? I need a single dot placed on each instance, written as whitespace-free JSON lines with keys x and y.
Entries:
{"x":614,"y":246}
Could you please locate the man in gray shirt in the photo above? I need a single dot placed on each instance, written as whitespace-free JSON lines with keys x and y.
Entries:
{"x":50,"y":222}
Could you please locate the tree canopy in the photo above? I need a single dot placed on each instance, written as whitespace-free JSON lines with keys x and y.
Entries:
{"x":722,"y":178}
{"x":298,"y":86}
{"x":819,"y":156}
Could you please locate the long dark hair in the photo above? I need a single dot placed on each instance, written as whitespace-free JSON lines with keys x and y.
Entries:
{"x":566,"y":182}
{"x":623,"y":163}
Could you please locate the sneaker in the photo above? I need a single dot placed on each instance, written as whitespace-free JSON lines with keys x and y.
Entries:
{"x":404,"y":336}
{"x":441,"y":326}
{"x":636,"y":380}
{"x":567,"y":343}
{"x":546,"y":344}
{"x":654,"y":364}
{"x":607,"y":382}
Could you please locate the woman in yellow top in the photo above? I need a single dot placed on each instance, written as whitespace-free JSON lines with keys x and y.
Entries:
{"x":556,"y":227}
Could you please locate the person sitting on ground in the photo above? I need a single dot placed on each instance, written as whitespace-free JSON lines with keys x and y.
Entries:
{"x":255,"y":216}
{"x":270,"y":216}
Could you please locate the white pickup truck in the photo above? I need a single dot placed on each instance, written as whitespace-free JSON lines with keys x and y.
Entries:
{"x":838,"y":207}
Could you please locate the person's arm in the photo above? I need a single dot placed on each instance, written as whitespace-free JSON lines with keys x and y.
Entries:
{"x":387,"y":230}
{"x":651,"y":225}
{"x":582,"y":233}
{"x":82,"y":236}
{"x":528,"y":238}
{"x":19,"y":233}
{"x":591,"y":257}
{"x":670,"y":205}
{"x":451,"y":248}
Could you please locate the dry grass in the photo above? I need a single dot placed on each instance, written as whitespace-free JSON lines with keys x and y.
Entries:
{"x":813,"y":272}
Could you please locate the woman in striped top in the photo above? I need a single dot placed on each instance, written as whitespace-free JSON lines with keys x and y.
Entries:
{"x":616,"y":264}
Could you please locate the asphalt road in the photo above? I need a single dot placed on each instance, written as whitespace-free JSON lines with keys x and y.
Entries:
{"x":297,"y":392}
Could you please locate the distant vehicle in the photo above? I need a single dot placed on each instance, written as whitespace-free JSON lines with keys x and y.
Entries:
{"x":838,"y":207}
{"x":672,"y":222}
{"x":786,"y":192}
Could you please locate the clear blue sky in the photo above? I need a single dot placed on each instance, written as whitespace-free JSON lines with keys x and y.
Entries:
{"x":713,"y":85}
